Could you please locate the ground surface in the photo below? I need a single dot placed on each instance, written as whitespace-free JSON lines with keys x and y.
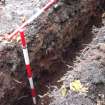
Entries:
{"x":11,"y":13}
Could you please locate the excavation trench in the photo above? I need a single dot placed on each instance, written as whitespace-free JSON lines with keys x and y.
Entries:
{"x":49,"y":79}
{"x":61,"y":36}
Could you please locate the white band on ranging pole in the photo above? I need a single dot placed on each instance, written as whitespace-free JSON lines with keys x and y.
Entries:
{"x":40,"y":11}
{"x":31,"y":83}
{"x":26,"y":56}
{"x":34,"y":100}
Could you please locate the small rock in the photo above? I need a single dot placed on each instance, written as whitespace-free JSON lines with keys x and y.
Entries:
{"x":102,"y":46}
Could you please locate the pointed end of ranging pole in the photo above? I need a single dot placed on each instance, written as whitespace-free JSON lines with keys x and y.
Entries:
{"x":34,"y":100}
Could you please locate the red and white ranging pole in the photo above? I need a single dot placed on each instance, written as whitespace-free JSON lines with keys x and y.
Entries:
{"x":28,"y":67}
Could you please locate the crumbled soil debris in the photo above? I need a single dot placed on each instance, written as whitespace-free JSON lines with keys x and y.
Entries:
{"x":65,"y":44}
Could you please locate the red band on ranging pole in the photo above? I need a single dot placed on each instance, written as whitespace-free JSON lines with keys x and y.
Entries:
{"x":29,"y":72}
{"x":33,"y":92}
{"x":28,"y":67}
{"x":23,"y":39}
